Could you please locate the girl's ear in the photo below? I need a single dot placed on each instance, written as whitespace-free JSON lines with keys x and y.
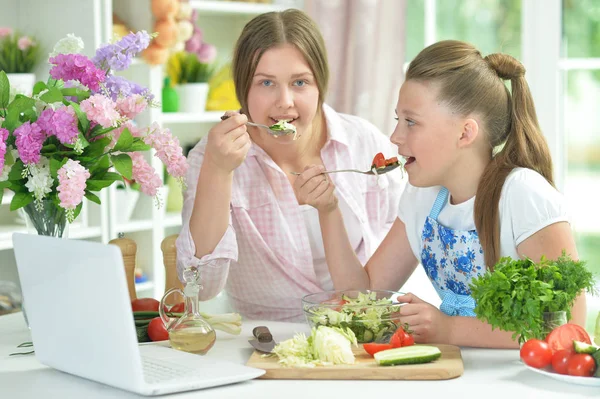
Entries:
{"x":470,"y":131}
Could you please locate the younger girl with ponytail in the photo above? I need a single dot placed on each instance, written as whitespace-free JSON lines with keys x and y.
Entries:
{"x":481,"y":188}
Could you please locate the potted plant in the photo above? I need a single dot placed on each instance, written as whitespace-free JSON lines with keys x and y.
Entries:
{"x":528,"y":298}
{"x":18,"y":56}
{"x":190,"y":71}
{"x":75,"y":134}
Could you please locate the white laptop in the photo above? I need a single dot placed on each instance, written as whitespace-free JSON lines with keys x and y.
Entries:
{"x":79,"y":312}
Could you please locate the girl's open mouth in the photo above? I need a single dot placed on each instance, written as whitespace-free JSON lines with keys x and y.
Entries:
{"x":409,"y":160}
{"x":277,"y":120}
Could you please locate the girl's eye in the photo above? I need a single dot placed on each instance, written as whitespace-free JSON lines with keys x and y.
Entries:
{"x":266,"y":83}
{"x":409,"y":123}
{"x":299,"y":83}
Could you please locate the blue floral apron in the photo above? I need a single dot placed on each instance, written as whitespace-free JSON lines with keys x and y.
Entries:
{"x":451,"y":258}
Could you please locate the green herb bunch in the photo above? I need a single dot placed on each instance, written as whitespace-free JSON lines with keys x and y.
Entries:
{"x":517,"y":293}
{"x":18,"y":53}
{"x":184,"y":67}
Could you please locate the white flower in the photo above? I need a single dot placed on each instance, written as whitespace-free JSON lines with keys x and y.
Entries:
{"x":39,"y":181}
{"x":67,"y":45}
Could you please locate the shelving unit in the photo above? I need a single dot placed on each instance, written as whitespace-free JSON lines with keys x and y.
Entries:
{"x":221,"y":21}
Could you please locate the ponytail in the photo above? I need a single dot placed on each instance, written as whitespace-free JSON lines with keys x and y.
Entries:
{"x":524,"y":146}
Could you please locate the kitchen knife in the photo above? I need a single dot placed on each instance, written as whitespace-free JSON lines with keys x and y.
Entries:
{"x":263,"y":339}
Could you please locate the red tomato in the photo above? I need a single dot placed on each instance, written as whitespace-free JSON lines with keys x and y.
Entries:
{"x":157,"y":330}
{"x":560,"y":359}
{"x":372,"y":348}
{"x":145,"y":304}
{"x":378,"y":161}
{"x":391,"y":161}
{"x":536,"y":353}
{"x":581,"y":365}
{"x":401,"y":338}
{"x":562,"y":337}
{"x":179,"y":308}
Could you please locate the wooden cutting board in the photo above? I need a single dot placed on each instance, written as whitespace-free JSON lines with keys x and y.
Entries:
{"x":449,"y":365}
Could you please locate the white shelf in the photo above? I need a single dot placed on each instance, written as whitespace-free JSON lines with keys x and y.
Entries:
{"x":172,"y":220}
{"x":75,"y":232}
{"x":183,"y":117}
{"x":234,"y":7}
{"x":8,"y":196}
{"x":134,"y":225}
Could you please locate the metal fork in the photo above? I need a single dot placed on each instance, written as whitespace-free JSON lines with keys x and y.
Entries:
{"x":380,"y":171}
{"x":273,"y":132}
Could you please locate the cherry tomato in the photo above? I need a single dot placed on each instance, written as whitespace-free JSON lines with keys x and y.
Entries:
{"x":408,"y":340}
{"x":560,"y":359}
{"x":372,"y":348}
{"x":179,"y":308}
{"x":562,"y":337}
{"x":401,"y":338}
{"x":581,"y":364}
{"x":145,"y":304}
{"x":378,"y":161}
{"x":391,"y":161}
{"x":536,"y":353}
{"x":157,"y":330}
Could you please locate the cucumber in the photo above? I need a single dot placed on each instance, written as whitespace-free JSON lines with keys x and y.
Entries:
{"x":582,"y":347}
{"x":413,"y":354}
{"x":596,"y":356}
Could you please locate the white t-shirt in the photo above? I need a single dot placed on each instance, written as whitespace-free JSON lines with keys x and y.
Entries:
{"x":313,"y":228}
{"x":528,"y":203}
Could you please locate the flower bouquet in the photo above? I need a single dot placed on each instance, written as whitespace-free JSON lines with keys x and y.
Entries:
{"x":18,"y":53}
{"x":75,"y":134}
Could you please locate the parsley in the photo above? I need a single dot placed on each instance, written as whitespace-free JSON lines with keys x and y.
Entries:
{"x":516,"y":294}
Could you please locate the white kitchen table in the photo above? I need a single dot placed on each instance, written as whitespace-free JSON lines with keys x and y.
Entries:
{"x":487,"y":374}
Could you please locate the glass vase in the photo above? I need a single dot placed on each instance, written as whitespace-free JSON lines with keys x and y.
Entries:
{"x":551,"y":320}
{"x":44,"y":218}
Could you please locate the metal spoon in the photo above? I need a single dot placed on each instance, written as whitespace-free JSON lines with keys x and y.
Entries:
{"x":380,"y":171}
{"x":273,"y":132}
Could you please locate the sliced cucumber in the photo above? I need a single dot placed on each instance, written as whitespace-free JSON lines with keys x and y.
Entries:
{"x":413,"y":354}
{"x":583,"y":347}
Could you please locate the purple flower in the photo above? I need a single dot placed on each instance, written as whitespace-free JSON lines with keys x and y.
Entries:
{"x":61,"y":123}
{"x":30,"y":140}
{"x":117,"y":86}
{"x":118,"y":56}
{"x":207,"y":53}
{"x":77,"y":67}
{"x":3,"y":138}
{"x":194,"y":43}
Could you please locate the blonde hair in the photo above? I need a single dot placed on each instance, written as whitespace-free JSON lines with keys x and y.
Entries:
{"x":469,"y":83}
{"x":273,"y":29}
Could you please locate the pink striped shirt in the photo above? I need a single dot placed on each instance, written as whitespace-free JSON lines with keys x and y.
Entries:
{"x":264,"y":260}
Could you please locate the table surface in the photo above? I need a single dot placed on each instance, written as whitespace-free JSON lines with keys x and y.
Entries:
{"x":486,"y":372}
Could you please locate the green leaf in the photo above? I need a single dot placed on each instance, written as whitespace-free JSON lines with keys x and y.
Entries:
{"x":20,"y":105}
{"x":84,"y":123}
{"x":139,"y":145}
{"x":92,"y":197}
{"x":16,"y":171}
{"x":55,"y":165}
{"x":53,"y":95}
{"x":125,"y":141}
{"x":39,"y":87}
{"x":96,"y":148}
{"x":77,"y":210}
{"x":20,"y":200}
{"x":4,"y":90}
{"x":123,"y":164}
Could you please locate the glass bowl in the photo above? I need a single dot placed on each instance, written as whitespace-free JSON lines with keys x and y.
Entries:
{"x":373,"y":315}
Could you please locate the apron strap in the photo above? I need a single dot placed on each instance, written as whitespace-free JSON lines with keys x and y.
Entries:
{"x":456,"y":304}
{"x":439,"y":203}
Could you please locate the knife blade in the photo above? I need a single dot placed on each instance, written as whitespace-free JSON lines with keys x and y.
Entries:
{"x":263,"y":339}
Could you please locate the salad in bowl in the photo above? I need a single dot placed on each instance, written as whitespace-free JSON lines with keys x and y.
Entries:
{"x":373,"y":315}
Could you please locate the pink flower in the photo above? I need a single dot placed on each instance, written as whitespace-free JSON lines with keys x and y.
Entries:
{"x":3,"y":138}
{"x":130,"y":106}
{"x":144,"y":174}
{"x":195,"y":42}
{"x":133,"y":129}
{"x":29,"y":142}
{"x":61,"y":123}
{"x":24,"y":43}
{"x":77,"y":67}
{"x":167,"y":149}
{"x":100,"y":109}
{"x":207,"y":53}
{"x":5,"y":32}
{"x":71,"y":184}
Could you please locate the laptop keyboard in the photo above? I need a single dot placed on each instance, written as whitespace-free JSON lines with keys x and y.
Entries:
{"x":159,"y":370}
